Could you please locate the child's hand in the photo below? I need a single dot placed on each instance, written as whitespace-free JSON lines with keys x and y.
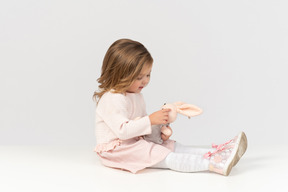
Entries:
{"x":159,"y":117}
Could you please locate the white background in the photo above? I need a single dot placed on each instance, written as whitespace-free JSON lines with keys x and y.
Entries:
{"x":227,"y":57}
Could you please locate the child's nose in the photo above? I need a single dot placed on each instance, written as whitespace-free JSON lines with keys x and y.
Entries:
{"x":145,"y":80}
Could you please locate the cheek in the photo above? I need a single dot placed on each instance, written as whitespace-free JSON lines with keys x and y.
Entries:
{"x":136,"y":84}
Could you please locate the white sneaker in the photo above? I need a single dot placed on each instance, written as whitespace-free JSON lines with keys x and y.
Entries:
{"x":227,"y":155}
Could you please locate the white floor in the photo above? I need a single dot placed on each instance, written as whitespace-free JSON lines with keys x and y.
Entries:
{"x":44,"y":168}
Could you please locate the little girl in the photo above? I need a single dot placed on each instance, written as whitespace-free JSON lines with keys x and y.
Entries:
{"x":119,"y":131}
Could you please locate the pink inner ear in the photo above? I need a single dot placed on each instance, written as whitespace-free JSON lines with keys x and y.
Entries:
{"x":188,"y":109}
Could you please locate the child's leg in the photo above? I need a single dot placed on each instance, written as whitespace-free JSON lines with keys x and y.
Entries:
{"x":220,"y":161}
{"x":185,"y":159}
{"x":184,"y":162}
{"x":179,"y":148}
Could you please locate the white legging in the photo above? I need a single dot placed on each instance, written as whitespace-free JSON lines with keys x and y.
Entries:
{"x":185,"y":159}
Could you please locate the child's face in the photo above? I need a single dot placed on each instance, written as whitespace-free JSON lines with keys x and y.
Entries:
{"x":141,"y":81}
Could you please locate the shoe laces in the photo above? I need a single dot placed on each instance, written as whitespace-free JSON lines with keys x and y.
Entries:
{"x":218,"y":148}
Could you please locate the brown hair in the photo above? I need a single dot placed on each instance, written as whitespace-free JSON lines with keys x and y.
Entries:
{"x":122,"y":64}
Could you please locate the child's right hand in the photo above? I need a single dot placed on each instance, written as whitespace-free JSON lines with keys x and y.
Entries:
{"x":159,"y":117}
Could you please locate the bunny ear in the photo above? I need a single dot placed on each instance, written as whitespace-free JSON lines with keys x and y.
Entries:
{"x":188,"y":110}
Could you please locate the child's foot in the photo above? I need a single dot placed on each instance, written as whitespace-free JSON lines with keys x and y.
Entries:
{"x":227,"y":155}
{"x":239,"y":138}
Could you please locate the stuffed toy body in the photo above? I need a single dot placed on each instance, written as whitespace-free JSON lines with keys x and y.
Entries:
{"x":178,"y":107}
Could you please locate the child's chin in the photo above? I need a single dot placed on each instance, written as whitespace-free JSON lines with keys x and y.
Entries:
{"x":138,"y":90}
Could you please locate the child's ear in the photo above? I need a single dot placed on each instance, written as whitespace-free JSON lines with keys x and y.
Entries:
{"x":188,"y":110}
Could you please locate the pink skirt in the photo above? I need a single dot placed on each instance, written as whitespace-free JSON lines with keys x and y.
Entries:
{"x":133,"y":154}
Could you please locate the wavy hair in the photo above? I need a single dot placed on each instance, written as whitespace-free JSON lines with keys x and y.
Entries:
{"x":122,"y":64}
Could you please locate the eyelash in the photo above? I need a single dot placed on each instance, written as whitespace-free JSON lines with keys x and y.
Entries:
{"x":140,"y":78}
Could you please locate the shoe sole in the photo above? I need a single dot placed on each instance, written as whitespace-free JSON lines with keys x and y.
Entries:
{"x":237,"y":153}
{"x":242,"y":148}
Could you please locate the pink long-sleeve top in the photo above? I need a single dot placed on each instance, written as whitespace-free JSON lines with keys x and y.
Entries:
{"x":121,"y":116}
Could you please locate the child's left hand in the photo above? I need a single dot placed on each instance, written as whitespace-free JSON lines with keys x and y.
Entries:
{"x":165,"y":137}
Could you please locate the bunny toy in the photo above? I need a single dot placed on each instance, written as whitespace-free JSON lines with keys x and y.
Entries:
{"x":178,"y":107}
